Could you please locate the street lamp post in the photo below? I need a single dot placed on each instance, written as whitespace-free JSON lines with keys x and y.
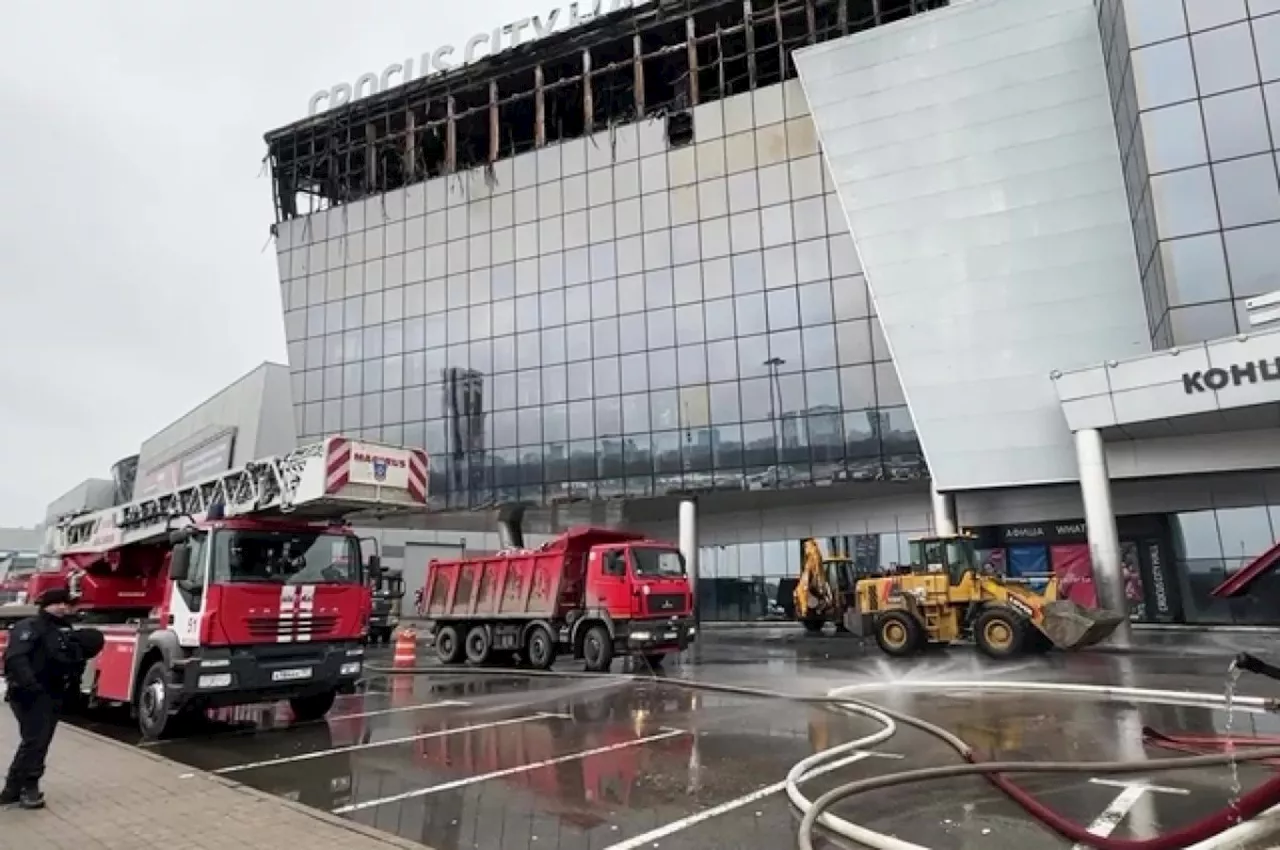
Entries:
{"x":775,"y":401}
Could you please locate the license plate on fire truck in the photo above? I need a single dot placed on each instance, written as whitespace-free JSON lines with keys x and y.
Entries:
{"x":292,"y":675}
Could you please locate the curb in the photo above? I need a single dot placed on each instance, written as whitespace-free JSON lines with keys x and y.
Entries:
{"x":261,"y":796}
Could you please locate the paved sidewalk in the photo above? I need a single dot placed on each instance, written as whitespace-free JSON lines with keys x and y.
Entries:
{"x":104,"y":795}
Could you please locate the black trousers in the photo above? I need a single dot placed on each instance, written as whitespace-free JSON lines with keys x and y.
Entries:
{"x":37,"y":719}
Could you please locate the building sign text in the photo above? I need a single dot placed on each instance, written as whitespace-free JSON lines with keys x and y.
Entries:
{"x":1236,"y":374}
{"x":446,"y":56}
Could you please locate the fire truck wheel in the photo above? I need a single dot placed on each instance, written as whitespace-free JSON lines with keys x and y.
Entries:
{"x":479,"y":647}
{"x":449,"y":646}
{"x":597,"y":649}
{"x":314,"y":707}
{"x":152,"y":702}
{"x":540,"y":648}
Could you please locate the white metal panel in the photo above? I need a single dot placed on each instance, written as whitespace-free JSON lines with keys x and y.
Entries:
{"x":243,"y":405}
{"x":1232,"y":374}
{"x":974,"y":152}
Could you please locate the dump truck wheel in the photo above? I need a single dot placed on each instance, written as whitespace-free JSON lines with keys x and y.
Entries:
{"x":597,"y":650}
{"x":449,"y":645}
{"x":1000,"y":633}
{"x":898,"y":633}
{"x":479,"y":647}
{"x":540,"y":648}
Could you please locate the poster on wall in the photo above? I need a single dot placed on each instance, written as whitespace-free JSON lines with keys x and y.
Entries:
{"x":1073,"y":566}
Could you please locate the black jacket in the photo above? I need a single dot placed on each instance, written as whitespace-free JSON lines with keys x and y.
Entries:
{"x":41,"y":657}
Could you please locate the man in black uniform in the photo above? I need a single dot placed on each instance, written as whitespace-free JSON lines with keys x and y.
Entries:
{"x":40,"y":661}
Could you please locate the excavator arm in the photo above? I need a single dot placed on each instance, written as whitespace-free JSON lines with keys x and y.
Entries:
{"x":813,"y":597}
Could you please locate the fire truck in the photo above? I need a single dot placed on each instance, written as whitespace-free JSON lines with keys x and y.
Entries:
{"x":244,"y":587}
{"x":15,"y":571}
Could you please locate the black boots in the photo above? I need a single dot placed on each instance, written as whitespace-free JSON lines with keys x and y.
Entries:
{"x":27,"y":798}
{"x":31,"y":798}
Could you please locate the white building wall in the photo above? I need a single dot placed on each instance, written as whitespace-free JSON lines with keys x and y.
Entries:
{"x":89,"y":495}
{"x":21,"y":539}
{"x":975,"y":156}
{"x":259,"y":398}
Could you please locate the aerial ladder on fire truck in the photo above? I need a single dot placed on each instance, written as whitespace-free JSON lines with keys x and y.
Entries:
{"x":247,"y":586}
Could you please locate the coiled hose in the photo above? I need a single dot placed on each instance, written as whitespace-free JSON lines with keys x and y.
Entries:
{"x":816,"y":812}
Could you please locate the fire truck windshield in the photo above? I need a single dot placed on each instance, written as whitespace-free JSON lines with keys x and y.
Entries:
{"x":285,"y":558}
{"x":655,"y":563}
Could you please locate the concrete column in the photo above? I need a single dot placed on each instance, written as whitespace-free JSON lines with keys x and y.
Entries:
{"x":689,"y":548}
{"x":944,"y":512}
{"x":1100,"y":518}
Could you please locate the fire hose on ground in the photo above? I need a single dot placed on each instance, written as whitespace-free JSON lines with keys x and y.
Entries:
{"x":1232,"y":823}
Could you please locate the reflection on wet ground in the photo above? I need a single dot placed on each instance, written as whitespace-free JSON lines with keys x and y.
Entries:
{"x":462,"y":761}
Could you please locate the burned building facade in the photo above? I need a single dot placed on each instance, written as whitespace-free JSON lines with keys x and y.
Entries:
{"x":616,"y":264}
{"x":624,"y":235}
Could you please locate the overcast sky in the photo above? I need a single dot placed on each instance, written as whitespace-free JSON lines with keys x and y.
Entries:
{"x":136,"y":273}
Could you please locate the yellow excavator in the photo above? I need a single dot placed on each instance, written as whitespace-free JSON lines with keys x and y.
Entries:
{"x":825,"y":590}
{"x":945,"y":596}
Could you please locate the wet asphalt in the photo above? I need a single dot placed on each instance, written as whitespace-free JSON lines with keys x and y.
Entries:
{"x":508,"y":762}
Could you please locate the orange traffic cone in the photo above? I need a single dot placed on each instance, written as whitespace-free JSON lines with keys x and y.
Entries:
{"x":406,"y":649}
{"x":405,"y":656}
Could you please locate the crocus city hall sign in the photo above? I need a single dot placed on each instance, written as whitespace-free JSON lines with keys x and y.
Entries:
{"x":446,"y":56}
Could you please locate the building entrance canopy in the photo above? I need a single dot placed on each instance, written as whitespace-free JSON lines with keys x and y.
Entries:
{"x":1229,"y":384}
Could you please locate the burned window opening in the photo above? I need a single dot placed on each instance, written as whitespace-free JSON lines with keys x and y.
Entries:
{"x":613,"y":97}
{"x":679,"y":129}
{"x":517,"y":124}
{"x":663,"y":60}
{"x":471,"y":124}
{"x":564,"y":118}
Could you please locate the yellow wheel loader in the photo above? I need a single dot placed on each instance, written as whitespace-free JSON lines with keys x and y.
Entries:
{"x":944,"y":596}
{"x":825,"y":590}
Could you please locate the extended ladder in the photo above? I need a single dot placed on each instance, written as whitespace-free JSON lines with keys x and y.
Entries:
{"x":329,"y":479}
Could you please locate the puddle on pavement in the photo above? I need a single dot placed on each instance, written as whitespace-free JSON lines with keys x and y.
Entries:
{"x":591,"y":788}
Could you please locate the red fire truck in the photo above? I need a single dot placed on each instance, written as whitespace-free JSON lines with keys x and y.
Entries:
{"x":15,"y":572}
{"x":244,"y":587}
{"x":591,"y":592}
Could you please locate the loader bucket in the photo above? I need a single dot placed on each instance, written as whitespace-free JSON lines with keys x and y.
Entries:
{"x":1072,"y":626}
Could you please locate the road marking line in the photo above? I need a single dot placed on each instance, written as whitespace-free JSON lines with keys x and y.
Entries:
{"x":1161,"y":789}
{"x":498,"y":774}
{"x":1105,"y":824}
{"x":729,"y":806}
{"x":390,"y":742}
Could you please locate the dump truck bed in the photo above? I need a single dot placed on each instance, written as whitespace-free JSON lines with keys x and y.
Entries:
{"x":517,"y":586}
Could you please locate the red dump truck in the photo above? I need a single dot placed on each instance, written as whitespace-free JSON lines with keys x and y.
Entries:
{"x":592,"y":593}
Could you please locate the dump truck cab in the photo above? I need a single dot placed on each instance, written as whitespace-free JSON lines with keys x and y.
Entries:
{"x":637,"y":580}
{"x":944,"y":595}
